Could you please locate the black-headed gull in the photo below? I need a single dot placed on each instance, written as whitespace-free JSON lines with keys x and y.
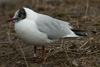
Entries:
{"x":39,"y":29}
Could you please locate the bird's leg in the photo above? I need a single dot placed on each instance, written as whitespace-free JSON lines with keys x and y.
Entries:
{"x":43,"y":49}
{"x":35,"y":51}
{"x":34,"y":59}
{"x":42,"y":58}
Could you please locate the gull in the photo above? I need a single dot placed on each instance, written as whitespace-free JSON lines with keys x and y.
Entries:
{"x":39,"y":29}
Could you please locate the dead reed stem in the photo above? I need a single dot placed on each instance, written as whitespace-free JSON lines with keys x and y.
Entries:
{"x":9,"y":38}
{"x":13,"y":46}
{"x":24,"y":56}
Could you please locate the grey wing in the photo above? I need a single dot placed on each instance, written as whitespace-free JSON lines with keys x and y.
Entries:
{"x":52,"y":27}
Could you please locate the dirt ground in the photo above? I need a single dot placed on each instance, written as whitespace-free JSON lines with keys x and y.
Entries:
{"x":70,"y":52}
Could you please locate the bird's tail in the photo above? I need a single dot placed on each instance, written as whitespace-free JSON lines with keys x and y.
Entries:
{"x":82,"y":32}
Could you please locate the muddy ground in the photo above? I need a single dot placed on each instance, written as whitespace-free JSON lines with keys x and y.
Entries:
{"x":70,"y":52}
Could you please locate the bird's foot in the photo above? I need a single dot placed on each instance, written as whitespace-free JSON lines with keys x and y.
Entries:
{"x":40,"y":60}
{"x":36,"y":60}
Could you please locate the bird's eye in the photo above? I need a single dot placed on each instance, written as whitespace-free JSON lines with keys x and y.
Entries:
{"x":21,"y":15}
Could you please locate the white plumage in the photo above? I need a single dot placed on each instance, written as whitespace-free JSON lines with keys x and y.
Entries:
{"x":39,"y":29}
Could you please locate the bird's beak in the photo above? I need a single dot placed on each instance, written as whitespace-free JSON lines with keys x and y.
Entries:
{"x":11,"y":19}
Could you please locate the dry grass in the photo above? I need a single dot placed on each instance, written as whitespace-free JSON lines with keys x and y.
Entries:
{"x":76,"y":52}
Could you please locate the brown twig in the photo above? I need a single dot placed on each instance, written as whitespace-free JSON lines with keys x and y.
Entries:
{"x":11,"y":43}
{"x":86,"y":11}
{"x":24,"y":56}
{"x":9,"y":38}
{"x":13,"y":46}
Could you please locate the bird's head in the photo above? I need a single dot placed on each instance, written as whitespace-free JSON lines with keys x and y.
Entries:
{"x":21,"y":14}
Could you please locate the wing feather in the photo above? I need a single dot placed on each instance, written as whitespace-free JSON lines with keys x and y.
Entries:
{"x":53,"y":28}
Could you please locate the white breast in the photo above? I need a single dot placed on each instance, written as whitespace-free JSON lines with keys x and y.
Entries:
{"x":27,"y":30}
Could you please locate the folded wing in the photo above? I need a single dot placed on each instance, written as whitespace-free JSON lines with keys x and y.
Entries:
{"x":53,"y":28}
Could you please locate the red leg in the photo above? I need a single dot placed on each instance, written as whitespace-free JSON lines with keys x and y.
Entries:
{"x":43,"y":49}
{"x":35,"y":51}
{"x":34,"y":58}
{"x":42,"y":58}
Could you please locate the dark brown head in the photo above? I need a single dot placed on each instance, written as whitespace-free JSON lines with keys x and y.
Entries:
{"x":19,"y":15}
